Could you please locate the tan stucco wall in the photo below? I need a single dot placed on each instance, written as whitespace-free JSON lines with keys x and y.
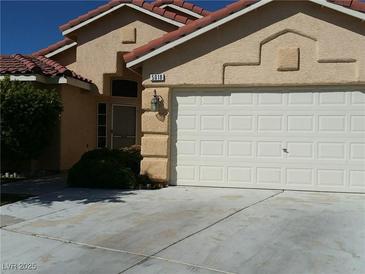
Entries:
{"x":282,"y":44}
{"x":100,"y":41}
{"x":77,"y":125}
{"x":245,"y":51}
{"x":98,"y":57}
{"x":155,"y":142}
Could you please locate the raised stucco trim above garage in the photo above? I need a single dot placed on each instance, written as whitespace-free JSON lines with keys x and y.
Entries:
{"x":158,"y":46}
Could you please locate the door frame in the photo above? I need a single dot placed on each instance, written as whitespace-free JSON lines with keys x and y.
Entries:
{"x":112,"y":121}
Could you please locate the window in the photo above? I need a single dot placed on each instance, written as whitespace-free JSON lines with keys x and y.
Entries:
{"x":124,"y":88}
{"x":101,"y":125}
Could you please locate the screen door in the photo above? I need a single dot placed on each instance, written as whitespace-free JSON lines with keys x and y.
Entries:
{"x":124,"y":126}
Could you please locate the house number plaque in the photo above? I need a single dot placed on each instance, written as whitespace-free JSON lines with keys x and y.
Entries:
{"x":157,"y":77}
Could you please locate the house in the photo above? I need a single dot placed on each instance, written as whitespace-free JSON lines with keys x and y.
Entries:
{"x":262,"y":94}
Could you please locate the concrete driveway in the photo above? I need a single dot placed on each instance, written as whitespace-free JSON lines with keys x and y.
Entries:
{"x":185,"y":230}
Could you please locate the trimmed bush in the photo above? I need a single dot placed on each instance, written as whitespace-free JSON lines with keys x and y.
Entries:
{"x":132,"y":157}
{"x":29,"y":116}
{"x":144,"y":180}
{"x":104,"y":168}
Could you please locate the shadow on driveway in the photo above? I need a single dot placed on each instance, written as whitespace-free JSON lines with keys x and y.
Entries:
{"x":46,"y":191}
{"x":81,"y":196}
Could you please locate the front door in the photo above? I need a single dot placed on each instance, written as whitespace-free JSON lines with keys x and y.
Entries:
{"x":123,"y":126}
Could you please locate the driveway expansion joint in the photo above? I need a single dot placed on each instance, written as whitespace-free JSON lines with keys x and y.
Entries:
{"x":146,"y":257}
{"x":203,"y":229}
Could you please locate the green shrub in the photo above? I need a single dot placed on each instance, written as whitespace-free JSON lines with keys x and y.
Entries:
{"x":28,"y":118}
{"x":104,"y":168}
{"x":132,"y":156}
{"x":100,"y":173}
{"x":144,"y":180}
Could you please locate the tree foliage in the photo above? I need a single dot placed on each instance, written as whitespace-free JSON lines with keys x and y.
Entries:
{"x":28,"y":118}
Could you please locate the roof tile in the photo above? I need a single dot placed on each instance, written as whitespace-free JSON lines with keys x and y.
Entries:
{"x":143,"y":4}
{"x":53,"y":47}
{"x":183,"y":4}
{"x":30,"y":64}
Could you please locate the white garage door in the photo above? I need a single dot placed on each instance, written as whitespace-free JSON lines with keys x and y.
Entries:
{"x":303,"y":140}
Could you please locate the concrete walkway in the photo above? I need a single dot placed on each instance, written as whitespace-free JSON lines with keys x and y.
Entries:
{"x":186,"y":230}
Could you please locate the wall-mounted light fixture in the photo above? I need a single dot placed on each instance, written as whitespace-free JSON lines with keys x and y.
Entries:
{"x":155,"y":102}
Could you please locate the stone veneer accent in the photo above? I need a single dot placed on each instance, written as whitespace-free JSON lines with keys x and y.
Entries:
{"x":155,"y":145}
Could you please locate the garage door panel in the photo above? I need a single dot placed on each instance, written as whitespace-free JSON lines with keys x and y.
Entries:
{"x":211,"y":173}
{"x":240,"y":149}
{"x":269,"y":150}
{"x":271,"y":98}
{"x":300,"y":176}
{"x":212,"y":122}
{"x":357,"y":98}
{"x":270,"y":122}
{"x":268,"y":175}
{"x":300,"y":123}
{"x":332,"y":98}
{"x":357,"y":178}
{"x":331,"y":123}
{"x":302,"y":98}
{"x":212,"y":99}
{"x":357,"y":123}
{"x":357,"y":151}
{"x":240,"y":174}
{"x":241,"y":99}
{"x":285,"y":140}
{"x":331,"y":177}
{"x":300,"y":150}
{"x":239,"y":123}
{"x":212,"y":148}
{"x":331,"y":150}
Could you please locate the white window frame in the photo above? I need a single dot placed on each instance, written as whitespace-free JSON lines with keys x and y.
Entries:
{"x":106,"y":124}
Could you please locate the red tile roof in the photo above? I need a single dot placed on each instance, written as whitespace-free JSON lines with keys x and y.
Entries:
{"x":140,"y":3}
{"x":183,"y":4}
{"x":357,"y":5}
{"x":53,"y":47}
{"x":67,"y":41}
{"x":212,"y":17}
{"x":28,"y":64}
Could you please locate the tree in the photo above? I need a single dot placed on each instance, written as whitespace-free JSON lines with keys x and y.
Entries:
{"x":28,"y":118}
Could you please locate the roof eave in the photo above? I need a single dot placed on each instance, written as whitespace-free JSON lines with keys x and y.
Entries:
{"x":59,"y":50}
{"x":182,"y":9}
{"x":49,"y":80}
{"x":86,"y":22}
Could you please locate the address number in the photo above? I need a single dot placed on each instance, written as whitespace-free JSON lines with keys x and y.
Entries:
{"x":157,"y":77}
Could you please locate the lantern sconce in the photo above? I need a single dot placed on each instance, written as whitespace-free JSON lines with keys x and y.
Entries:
{"x":155,"y":102}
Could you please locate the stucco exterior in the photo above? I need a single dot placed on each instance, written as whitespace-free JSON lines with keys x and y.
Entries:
{"x":281,"y":44}
{"x":75,"y":132}
{"x":98,"y":56}
{"x":77,"y":125}
{"x":101,"y":43}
